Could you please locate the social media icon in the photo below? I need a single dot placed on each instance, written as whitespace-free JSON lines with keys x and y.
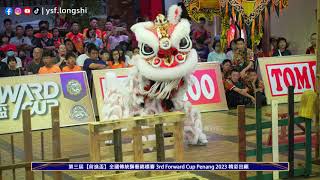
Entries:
{"x":8,"y":11}
{"x":27,"y":11}
{"x":18,"y":11}
{"x":36,"y":11}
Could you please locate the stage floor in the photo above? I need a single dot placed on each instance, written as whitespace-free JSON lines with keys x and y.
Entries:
{"x":220,"y":127}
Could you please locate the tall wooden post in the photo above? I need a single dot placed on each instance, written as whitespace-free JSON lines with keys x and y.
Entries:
{"x":259,"y":146}
{"x":291,"y":130}
{"x":27,"y":139}
{"x":242,"y":139}
{"x":318,"y":86}
{"x":56,"y":143}
{"x":275,"y":136}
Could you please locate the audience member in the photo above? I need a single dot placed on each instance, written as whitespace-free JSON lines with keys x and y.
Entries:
{"x":115,"y":38}
{"x":76,"y":37}
{"x":11,"y":53}
{"x":94,"y":26}
{"x":13,"y":70}
{"x":107,"y":33}
{"x":45,"y":41}
{"x":25,"y":59}
{"x":226,"y":68}
{"x":8,"y":30}
{"x":217,"y":55}
{"x":243,"y":59}
{"x":71,"y":63}
{"x":20,"y":41}
{"x":201,"y":38}
{"x":115,"y":61}
{"x":70,"y":47}
{"x":3,"y":66}
{"x":93,"y":63}
{"x":29,"y":33}
{"x":91,"y":38}
{"x":313,"y":42}
{"x":273,"y":45}
{"x":136,"y":51}
{"x":49,"y":66}
{"x":6,"y":45}
{"x":232,"y":49}
{"x":37,"y":63}
{"x":282,"y":48}
{"x":61,"y":56}
{"x":83,"y":57}
{"x":43,"y":25}
{"x":104,"y":56}
{"x":236,"y":91}
{"x":57,"y":39}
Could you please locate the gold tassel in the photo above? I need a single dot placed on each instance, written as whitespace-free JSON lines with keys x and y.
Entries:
{"x":252,"y":33}
{"x":233,"y":13}
{"x":260,"y":22}
{"x":240,"y":20}
{"x":227,"y":9}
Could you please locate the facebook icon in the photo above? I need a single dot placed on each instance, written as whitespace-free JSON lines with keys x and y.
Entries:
{"x":8,"y":11}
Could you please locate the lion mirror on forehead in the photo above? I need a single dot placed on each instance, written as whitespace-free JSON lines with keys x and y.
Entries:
{"x":160,"y":75}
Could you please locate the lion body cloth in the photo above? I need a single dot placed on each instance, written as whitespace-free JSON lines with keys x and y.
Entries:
{"x":160,"y":77}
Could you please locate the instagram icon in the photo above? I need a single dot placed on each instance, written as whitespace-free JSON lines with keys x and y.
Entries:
{"x":18,"y":11}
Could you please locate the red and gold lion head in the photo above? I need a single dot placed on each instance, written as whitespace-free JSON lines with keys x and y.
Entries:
{"x":165,"y":47}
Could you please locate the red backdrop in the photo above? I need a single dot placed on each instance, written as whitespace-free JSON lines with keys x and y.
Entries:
{"x":150,"y":9}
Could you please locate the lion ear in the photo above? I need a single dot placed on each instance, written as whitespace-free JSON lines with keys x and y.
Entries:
{"x":174,"y":14}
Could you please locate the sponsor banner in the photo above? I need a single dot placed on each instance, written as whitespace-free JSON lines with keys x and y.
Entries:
{"x":39,"y":93}
{"x":206,"y":93}
{"x":280,"y":72}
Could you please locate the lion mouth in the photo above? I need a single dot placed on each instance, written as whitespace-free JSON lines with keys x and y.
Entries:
{"x":161,"y":89}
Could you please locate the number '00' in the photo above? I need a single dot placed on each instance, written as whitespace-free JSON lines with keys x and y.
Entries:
{"x":200,"y":87}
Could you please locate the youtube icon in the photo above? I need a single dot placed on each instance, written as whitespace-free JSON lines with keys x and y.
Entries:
{"x":27,"y":10}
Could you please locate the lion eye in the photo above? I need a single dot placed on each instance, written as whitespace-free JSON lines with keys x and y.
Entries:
{"x":146,"y":50}
{"x":185,"y":43}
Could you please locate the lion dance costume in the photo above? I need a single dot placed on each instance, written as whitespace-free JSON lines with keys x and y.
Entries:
{"x":160,"y":77}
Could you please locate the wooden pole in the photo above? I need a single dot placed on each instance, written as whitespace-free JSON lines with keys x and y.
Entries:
{"x":94,"y":144}
{"x":259,"y":146}
{"x":0,"y":169}
{"x":242,"y":139}
{"x":12,"y":157}
{"x":56,"y":143}
{"x":137,"y":144}
{"x":318,"y":86}
{"x":27,"y":139}
{"x":308,"y":147}
{"x":275,"y":136}
{"x":178,"y":138}
{"x":42,"y":152}
{"x":117,"y":141}
{"x":160,"y":142}
{"x":291,"y":130}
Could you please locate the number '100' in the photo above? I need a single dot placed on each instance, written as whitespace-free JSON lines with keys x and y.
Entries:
{"x":200,"y":88}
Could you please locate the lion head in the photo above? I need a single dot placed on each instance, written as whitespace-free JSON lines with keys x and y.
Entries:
{"x":166,"y":52}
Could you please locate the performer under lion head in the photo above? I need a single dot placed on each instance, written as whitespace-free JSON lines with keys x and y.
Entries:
{"x":160,"y":77}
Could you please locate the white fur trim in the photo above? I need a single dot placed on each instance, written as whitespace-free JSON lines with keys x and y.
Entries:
{"x":147,"y":37}
{"x":145,"y":25}
{"x":180,"y":31}
{"x":166,"y":74}
{"x":174,"y":18}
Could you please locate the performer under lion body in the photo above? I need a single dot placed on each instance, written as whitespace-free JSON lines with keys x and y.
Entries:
{"x":160,"y":77}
